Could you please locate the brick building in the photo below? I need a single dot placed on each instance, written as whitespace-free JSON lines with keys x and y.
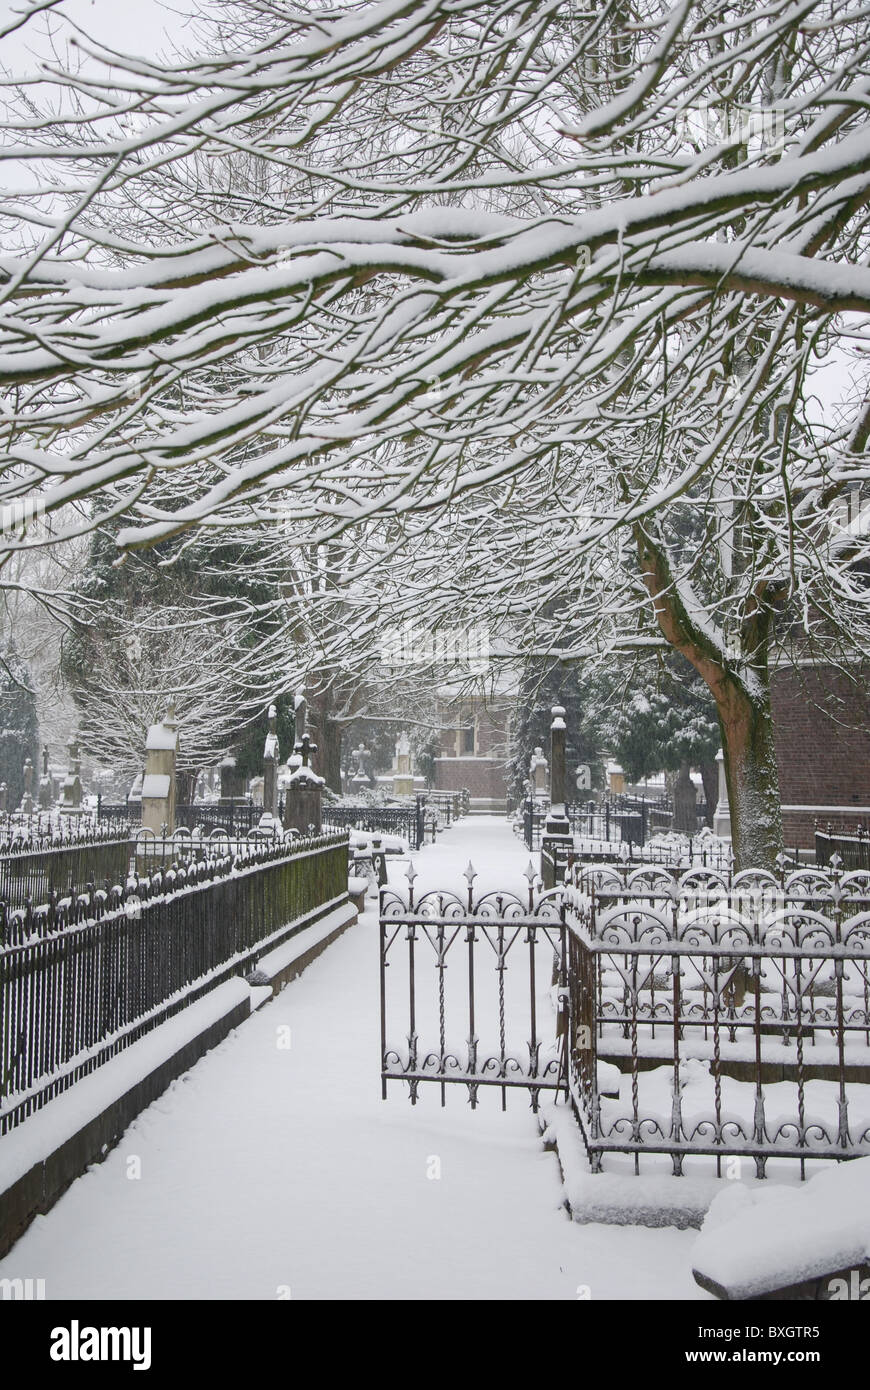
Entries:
{"x":475,"y":746}
{"x":822,"y":723}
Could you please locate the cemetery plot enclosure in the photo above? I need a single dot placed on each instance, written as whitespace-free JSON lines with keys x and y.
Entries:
{"x":692,"y":1014}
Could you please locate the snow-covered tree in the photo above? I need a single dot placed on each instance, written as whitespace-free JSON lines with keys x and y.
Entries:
{"x":549,"y":278}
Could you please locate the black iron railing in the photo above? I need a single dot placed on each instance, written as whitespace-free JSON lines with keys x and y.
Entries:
{"x":699,"y":988}
{"x":33,"y":868}
{"x":82,"y":978}
{"x":853,"y":850}
{"x":411,"y":823}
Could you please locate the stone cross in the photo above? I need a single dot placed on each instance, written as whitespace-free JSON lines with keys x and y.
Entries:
{"x":71,"y":787}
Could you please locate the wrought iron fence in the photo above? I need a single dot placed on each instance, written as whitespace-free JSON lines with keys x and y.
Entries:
{"x":853,"y":850}
{"x":476,"y":1025}
{"x":733,"y":1009}
{"x":235,"y":815}
{"x":614,"y":822}
{"x":32,"y":868}
{"x":83,"y":977}
{"x":409,"y":822}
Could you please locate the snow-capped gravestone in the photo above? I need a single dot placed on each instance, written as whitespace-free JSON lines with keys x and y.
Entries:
{"x":4,"y":793}
{"x":71,"y":786}
{"x":46,"y":791}
{"x":158,"y":784}
{"x":229,"y":778}
{"x":538,"y":770}
{"x":271,"y":755}
{"x":403,"y":781}
{"x":303,"y":794}
{"x":26,"y":807}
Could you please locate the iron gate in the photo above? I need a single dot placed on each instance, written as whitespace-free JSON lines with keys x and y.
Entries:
{"x":469,"y":978}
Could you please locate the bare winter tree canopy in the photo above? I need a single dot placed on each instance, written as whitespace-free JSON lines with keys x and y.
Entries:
{"x":535,"y":291}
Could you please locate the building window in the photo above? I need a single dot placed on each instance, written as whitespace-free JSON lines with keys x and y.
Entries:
{"x":468,"y":740}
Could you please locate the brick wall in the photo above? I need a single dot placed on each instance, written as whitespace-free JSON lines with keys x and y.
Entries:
{"x":484,"y":777}
{"x":822,"y":722}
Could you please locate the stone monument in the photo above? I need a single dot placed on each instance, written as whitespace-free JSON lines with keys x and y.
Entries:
{"x":71,"y":787}
{"x":158,"y":783}
{"x":403,"y":781}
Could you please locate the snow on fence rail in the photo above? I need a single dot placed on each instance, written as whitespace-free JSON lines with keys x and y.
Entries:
{"x":84,"y":977}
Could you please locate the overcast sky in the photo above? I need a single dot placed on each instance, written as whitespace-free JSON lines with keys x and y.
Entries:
{"x":134,"y":26}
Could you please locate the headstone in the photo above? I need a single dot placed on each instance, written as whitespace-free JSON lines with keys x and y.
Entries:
{"x":615,"y":779}
{"x":303,"y":795}
{"x":158,"y":784}
{"x":583,"y":777}
{"x":26,"y":807}
{"x":403,"y":781}
{"x":4,"y":792}
{"x":135,"y":792}
{"x":71,"y":787}
{"x":256,"y":790}
{"x":229,"y":778}
{"x":362,"y":777}
{"x":45,"y":788}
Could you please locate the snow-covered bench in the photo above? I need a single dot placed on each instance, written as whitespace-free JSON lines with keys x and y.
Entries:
{"x":807,"y":1242}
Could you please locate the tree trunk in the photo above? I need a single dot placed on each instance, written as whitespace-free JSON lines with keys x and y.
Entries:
{"x":685,"y":803}
{"x":710,"y":778}
{"x":748,"y":747}
{"x":741,"y":688}
{"x":326,"y":733}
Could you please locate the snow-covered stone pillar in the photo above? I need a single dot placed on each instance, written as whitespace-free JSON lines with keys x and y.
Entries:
{"x":722,"y":814}
{"x":557,"y":821}
{"x":403,"y":781}
{"x":271,"y":753}
{"x":158,"y":783}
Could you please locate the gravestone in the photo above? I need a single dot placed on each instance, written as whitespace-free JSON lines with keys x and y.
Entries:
{"x":362,"y":777}
{"x":229,"y":778}
{"x":158,"y":783}
{"x":26,"y":807}
{"x":46,"y":795}
{"x":403,"y":781}
{"x":4,"y":793}
{"x":135,"y":793}
{"x":256,"y":790}
{"x":71,"y":787}
{"x":303,"y":795}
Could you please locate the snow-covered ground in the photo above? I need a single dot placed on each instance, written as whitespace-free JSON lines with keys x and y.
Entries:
{"x":271,"y":1171}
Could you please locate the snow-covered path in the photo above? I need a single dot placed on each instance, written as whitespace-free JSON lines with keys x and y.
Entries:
{"x":272,"y":1172}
